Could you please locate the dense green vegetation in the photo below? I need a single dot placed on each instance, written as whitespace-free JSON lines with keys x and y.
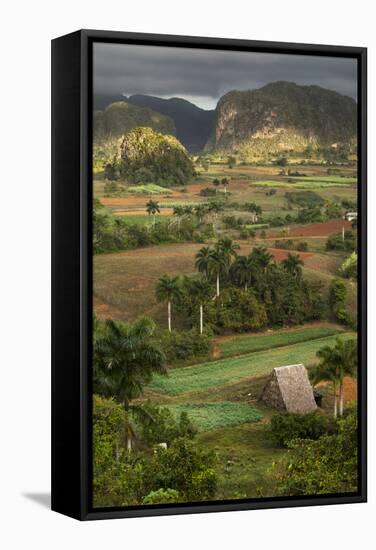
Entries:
{"x":151,"y":157}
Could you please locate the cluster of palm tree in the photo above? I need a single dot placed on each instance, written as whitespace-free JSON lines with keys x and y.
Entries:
{"x":200,"y":211}
{"x":217,"y":260}
{"x":224,"y":181}
{"x":336,"y":363}
{"x":169,"y":289}
{"x":218,"y":265}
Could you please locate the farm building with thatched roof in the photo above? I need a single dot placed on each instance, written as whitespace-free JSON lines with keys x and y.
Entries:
{"x":289,"y":389}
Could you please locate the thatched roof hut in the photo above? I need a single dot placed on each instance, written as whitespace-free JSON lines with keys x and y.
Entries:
{"x":289,"y":389}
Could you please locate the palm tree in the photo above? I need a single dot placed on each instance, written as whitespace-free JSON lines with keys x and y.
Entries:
{"x":227,"y":248}
{"x":217,"y":265}
{"x":200,"y":289}
{"x":216,"y":184}
{"x":152,"y":208}
{"x":200,"y":211}
{"x":215,"y":207}
{"x":124,"y":362}
{"x":225,"y":182}
{"x":202,"y":262}
{"x":336,"y":363}
{"x":262,"y":258}
{"x":293,"y":265}
{"x":243,"y":270}
{"x":168,"y":288}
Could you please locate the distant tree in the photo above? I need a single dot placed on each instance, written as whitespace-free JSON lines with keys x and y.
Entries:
{"x":152,"y":208}
{"x":225,"y":182}
{"x":231,"y":161}
{"x":216,"y":184}
{"x":200,"y":211}
{"x":282,"y":161}
{"x":262,"y":258}
{"x":337,"y":300}
{"x":200,"y":289}
{"x":168,"y":289}
{"x":243,"y":270}
{"x":293,"y":265}
{"x":202,"y":262}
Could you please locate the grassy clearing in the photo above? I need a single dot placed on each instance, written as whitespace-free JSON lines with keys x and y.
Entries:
{"x":304,"y":184}
{"x":172,"y":204}
{"x":142,"y":218}
{"x":232,"y":369}
{"x":209,"y":416}
{"x":148,"y":189}
{"x":247,"y":344}
{"x":329,"y":179}
{"x":245,"y":458}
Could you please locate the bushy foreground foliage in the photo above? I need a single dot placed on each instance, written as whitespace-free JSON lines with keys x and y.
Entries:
{"x":322,"y":466}
{"x":183,"y":471}
{"x":285,"y":427}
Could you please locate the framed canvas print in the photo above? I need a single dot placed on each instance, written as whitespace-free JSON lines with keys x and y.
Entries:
{"x":209,"y":275}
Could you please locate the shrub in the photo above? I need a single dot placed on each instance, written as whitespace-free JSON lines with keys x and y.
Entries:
{"x":302,"y":246}
{"x":308,"y":199}
{"x":208,"y":192}
{"x":285,"y":427}
{"x":187,"y":468}
{"x":162,"y":496}
{"x":349,"y":268}
{"x":185,"y":345}
{"x":339,"y":241}
{"x":241,"y":311}
{"x":158,"y":425}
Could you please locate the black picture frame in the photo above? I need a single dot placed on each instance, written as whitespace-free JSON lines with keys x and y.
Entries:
{"x":72,"y":271}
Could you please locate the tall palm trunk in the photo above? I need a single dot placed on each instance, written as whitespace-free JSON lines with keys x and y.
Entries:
{"x":169,"y":315}
{"x":245,"y":287}
{"x":201,"y":318}
{"x":341,"y":398}
{"x":217,"y":284}
{"x":335,"y":400}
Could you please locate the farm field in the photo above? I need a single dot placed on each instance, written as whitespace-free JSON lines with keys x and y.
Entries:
{"x":209,"y":416}
{"x":234,"y":369}
{"x":239,"y":345}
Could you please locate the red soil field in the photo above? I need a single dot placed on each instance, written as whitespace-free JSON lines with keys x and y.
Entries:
{"x":281,"y":255}
{"x":317,"y":229}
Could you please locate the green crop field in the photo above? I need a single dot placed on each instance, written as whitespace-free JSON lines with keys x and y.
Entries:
{"x":172,"y":204}
{"x":232,"y":369}
{"x":148,"y":189}
{"x":304,"y":184}
{"x":142,"y":218}
{"x":208,"y":416}
{"x":329,"y":179}
{"x":247,"y":344}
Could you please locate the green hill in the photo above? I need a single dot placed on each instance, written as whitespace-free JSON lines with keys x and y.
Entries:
{"x":149,"y":156}
{"x":121,"y":117}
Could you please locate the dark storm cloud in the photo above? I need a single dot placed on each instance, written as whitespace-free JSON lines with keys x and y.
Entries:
{"x":202,"y":76}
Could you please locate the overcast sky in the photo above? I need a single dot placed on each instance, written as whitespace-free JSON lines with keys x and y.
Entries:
{"x":203,"y":76}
